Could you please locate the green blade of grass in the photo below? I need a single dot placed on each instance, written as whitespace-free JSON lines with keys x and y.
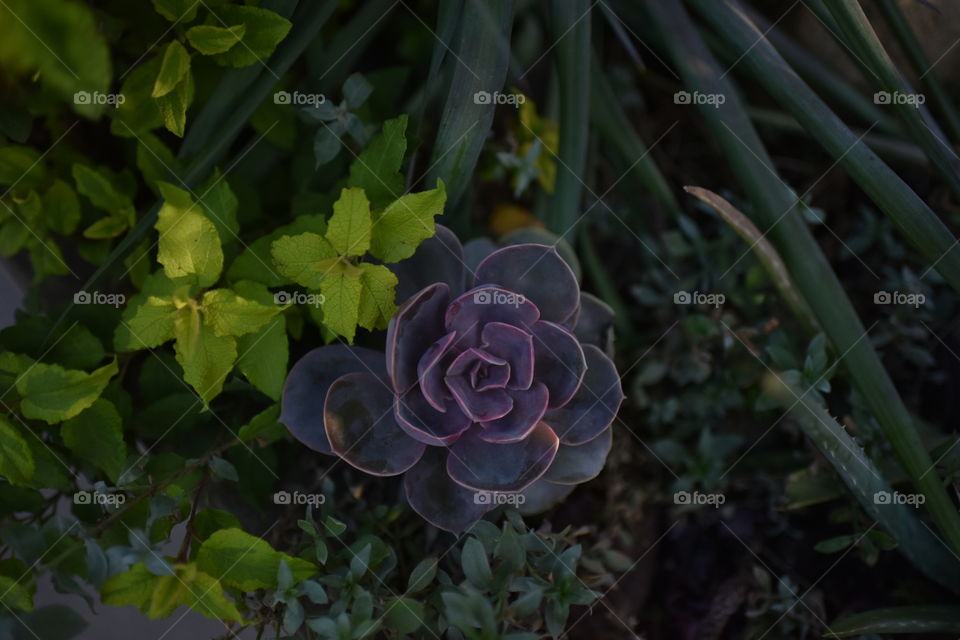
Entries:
{"x":920,"y":125}
{"x":887,"y":190}
{"x":570,"y":25}
{"x":911,"y":46}
{"x":775,"y":207}
{"x":481,"y":58}
{"x":915,"y":541}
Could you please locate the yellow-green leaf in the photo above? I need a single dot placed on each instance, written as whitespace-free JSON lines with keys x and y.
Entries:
{"x":231,"y":315}
{"x":209,"y":40}
{"x":377,"y":297}
{"x":205,"y":357}
{"x":16,"y":460}
{"x":341,"y":299}
{"x":189,"y":244}
{"x":349,"y":227}
{"x":96,"y":435}
{"x":405,"y":223}
{"x":298,"y":257}
{"x":173,"y":68}
{"x":54,"y":394}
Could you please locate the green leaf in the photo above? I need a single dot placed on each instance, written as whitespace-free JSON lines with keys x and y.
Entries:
{"x":173,"y":105}
{"x":475,"y":565}
{"x":16,"y":460}
{"x":96,"y":435}
{"x":263,"y":425}
{"x":205,"y":357}
{"x":220,"y":205}
{"x":14,"y":595}
{"x":134,"y":586}
{"x":105,"y":228}
{"x":189,"y":244}
{"x":341,"y":289}
{"x":255,"y":262}
{"x":21,"y":166}
{"x":913,"y":620}
{"x":405,"y":223}
{"x":264,"y":356}
{"x":145,"y":325}
{"x":209,"y":40}
{"x":349,"y":227}
{"x":99,"y":189}
{"x":263,"y":31}
{"x":231,"y":315}
{"x":422,"y":575}
{"x":61,"y":208}
{"x":174,"y":67}
{"x":60,"y":40}
{"x":403,"y":615}
{"x":54,"y":394}
{"x":177,"y":10}
{"x":298,"y":258}
{"x":246,"y":562}
{"x":139,"y":112}
{"x":377,"y":169}
{"x":377,"y":297}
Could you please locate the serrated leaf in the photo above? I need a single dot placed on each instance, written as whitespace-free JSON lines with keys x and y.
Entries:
{"x":16,"y":459}
{"x":255,"y":262}
{"x":377,"y":169}
{"x":100,"y":191}
{"x":263,"y":31}
{"x":264,"y":356}
{"x":210,"y":40}
{"x":220,"y":206}
{"x":173,"y":105}
{"x":341,"y":289}
{"x":405,"y":223}
{"x":61,"y":208}
{"x":297,"y":257}
{"x":377,"y":297}
{"x":348,"y":229}
{"x":96,"y":435}
{"x":173,"y":68}
{"x":54,"y":394}
{"x":263,"y":425}
{"x":246,"y":562}
{"x":205,"y":357}
{"x":189,"y":244}
{"x":231,"y":315}
{"x":145,"y":325}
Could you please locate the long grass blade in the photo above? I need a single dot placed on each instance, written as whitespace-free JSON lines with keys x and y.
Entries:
{"x":775,"y":207}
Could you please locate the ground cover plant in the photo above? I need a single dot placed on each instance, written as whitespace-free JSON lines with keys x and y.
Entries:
{"x":479,"y":319}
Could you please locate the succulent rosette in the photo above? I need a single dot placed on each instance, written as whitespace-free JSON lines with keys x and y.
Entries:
{"x":495,"y":384}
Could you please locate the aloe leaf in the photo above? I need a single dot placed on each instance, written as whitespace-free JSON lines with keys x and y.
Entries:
{"x":890,"y":193}
{"x":570,"y":22}
{"x":765,"y":252}
{"x":915,"y":619}
{"x":915,"y":541}
{"x":775,"y":208}
{"x":482,"y":56}
{"x":922,"y":128}
{"x":911,"y":46}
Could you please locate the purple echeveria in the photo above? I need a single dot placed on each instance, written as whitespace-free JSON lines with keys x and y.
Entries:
{"x":498,"y":389}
